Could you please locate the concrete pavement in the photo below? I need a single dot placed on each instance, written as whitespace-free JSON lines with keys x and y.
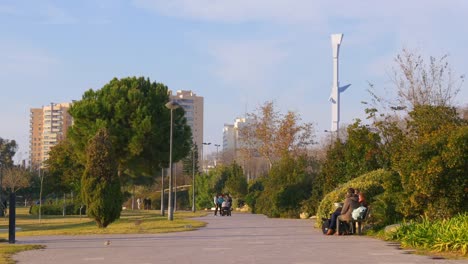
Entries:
{"x":241,"y":238}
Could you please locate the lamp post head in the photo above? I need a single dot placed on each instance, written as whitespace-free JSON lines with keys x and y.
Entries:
{"x":204,"y":143}
{"x":336,"y":42}
{"x":172,"y":105}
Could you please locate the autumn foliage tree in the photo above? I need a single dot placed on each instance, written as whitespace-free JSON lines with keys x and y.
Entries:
{"x":273,"y":135}
{"x":15,"y":178}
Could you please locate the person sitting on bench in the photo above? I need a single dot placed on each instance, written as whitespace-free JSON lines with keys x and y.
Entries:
{"x":350,"y":203}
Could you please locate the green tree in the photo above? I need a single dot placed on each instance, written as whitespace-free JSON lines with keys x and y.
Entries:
{"x":205,"y":190}
{"x":64,"y":170}
{"x":419,"y":128}
{"x":417,"y":82}
{"x":133,"y":111}
{"x":254,"y":191}
{"x":236,"y":183}
{"x":432,"y":163}
{"x":7,"y":151}
{"x":345,"y":160}
{"x":100,"y":184}
{"x":288,"y":184}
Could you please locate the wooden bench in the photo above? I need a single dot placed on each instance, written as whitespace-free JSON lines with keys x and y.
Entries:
{"x":359,"y":222}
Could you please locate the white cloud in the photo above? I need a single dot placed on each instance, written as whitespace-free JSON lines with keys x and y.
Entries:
{"x":55,"y":15}
{"x":280,"y":11}
{"x":247,"y":64}
{"x":18,"y":60}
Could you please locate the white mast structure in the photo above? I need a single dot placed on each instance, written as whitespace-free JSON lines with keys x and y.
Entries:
{"x":336,"y":89}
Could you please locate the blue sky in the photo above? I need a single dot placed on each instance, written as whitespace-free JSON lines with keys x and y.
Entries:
{"x":236,"y":54}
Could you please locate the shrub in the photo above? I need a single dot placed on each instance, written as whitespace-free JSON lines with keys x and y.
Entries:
{"x":289,"y":182}
{"x":52,"y":209}
{"x":441,"y":235}
{"x":371,"y":184}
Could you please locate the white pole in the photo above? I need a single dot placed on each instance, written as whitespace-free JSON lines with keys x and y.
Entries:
{"x":336,"y":89}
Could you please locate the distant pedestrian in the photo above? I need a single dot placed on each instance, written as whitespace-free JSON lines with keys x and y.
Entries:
{"x":215,"y":202}
{"x":149,"y":203}
{"x":139,"y":203}
{"x":220,"y":202}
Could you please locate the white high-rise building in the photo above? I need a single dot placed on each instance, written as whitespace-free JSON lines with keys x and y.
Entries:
{"x":231,"y":135}
{"x":193,"y":106}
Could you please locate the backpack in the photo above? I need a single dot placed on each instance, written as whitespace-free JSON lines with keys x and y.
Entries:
{"x":359,"y":213}
{"x":325,"y":225}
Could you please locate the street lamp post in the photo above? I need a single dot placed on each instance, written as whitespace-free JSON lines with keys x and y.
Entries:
{"x":217,"y":146}
{"x":162,"y":191}
{"x":203,"y":159}
{"x":170,"y":210}
{"x":193,"y":178}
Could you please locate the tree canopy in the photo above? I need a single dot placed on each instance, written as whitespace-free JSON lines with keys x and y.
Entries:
{"x":273,"y":135}
{"x":7,"y":151}
{"x":133,"y":112}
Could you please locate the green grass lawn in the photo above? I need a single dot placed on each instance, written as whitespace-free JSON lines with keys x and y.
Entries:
{"x":130,"y":222}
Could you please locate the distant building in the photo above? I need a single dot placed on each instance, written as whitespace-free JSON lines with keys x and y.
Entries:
{"x":193,"y":106}
{"x":245,"y":154}
{"x":48,"y":126}
{"x":231,"y":135}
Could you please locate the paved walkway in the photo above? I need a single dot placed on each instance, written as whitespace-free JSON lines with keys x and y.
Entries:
{"x":242,"y":238}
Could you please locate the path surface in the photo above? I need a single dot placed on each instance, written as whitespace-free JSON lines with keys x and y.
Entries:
{"x":242,"y":238}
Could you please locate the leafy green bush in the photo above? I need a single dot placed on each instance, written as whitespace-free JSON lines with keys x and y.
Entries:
{"x":370,"y":184}
{"x":255,"y":189}
{"x":288,"y":184}
{"x":57,"y":209}
{"x":441,"y":235}
{"x":432,"y":162}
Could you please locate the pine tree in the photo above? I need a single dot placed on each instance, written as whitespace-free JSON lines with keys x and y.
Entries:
{"x":100,"y":183}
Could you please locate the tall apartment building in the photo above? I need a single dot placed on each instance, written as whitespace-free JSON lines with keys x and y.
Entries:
{"x":193,"y":106}
{"x":252,"y":163}
{"x":231,"y":135}
{"x":48,"y":126}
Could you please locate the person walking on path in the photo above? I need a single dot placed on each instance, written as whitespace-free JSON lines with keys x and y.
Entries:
{"x":215,"y":201}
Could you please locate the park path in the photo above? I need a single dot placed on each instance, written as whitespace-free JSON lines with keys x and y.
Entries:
{"x":241,"y":238}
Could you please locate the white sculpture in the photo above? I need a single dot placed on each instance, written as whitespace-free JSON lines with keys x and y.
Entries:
{"x":336,"y":89}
